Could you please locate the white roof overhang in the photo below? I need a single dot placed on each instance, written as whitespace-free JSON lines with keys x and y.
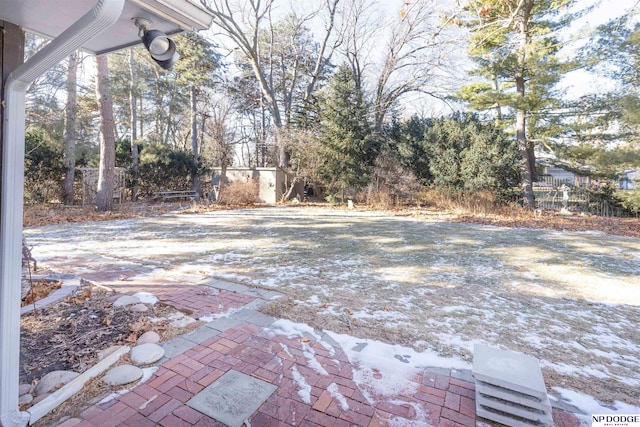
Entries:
{"x":50,"y":18}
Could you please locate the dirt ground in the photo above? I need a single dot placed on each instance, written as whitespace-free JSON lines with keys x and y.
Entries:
{"x":36,"y":216}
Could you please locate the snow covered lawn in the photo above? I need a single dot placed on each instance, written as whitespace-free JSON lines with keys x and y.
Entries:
{"x":570,"y":299}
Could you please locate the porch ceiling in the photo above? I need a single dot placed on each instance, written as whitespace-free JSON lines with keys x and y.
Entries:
{"x":50,"y":18}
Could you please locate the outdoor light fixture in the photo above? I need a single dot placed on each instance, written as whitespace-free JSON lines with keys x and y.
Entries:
{"x":159,"y":45}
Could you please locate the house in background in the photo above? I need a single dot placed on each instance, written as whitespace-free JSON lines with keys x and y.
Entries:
{"x":272,"y":183}
{"x":554,"y":175}
{"x":630,"y":180}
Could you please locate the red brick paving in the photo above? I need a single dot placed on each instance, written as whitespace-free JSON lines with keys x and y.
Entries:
{"x":436,"y":400}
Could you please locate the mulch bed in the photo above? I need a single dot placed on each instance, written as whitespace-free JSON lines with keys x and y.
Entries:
{"x":68,"y":335}
{"x":40,"y":289}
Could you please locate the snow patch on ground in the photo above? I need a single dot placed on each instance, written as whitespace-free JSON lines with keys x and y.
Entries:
{"x":388,"y":369}
{"x":591,"y":406}
{"x":305,"y":388}
{"x":293,"y":330}
{"x":309,"y":353}
{"x":335,"y":392}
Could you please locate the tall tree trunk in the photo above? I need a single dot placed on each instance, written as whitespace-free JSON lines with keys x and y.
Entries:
{"x":195,"y":179}
{"x":526,"y":182}
{"x":104,"y":196}
{"x":71,"y":109}
{"x":135,"y":161}
{"x":141,"y":117}
{"x":525,"y":149}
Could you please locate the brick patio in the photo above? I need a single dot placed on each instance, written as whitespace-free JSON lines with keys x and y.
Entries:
{"x":432,"y":398}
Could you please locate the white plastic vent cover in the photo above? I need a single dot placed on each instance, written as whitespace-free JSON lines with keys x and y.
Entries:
{"x":510,"y":388}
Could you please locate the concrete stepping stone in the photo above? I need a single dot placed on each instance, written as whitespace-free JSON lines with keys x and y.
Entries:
{"x":510,"y":388}
{"x":232,"y":398}
{"x":149,"y":337}
{"x":122,"y":374}
{"x":53,"y":381}
{"x":126,"y":300}
{"x":139,"y":308}
{"x":146,"y":354}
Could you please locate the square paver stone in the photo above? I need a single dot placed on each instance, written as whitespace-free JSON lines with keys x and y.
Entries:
{"x":232,"y":398}
{"x":508,"y":369}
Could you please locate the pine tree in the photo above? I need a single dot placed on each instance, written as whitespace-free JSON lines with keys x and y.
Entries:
{"x":349,"y":148}
{"x":514,"y":45}
{"x":104,"y":196}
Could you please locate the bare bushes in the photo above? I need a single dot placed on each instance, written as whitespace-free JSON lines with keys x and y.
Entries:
{"x":239,"y":193}
{"x":479,"y":203}
{"x":392,"y":184}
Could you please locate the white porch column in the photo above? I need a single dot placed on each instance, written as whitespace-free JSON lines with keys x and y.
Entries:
{"x":103,"y":15}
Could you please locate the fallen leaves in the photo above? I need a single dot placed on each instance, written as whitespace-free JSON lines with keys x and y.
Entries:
{"x":68,"y":335}
{"x":39,"y":215}
{"x":41,"y":289}
{"x":616,"y":226}
{"x":79,"y":296}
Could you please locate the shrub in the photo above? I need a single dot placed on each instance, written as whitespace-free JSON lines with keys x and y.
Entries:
{"x":480,"y":203}
{"x":459,"y":155}
{"x":630,"y":201}
{"x":163,"y":168}
{"x":43,"y":169}
{"x":239,"y":193}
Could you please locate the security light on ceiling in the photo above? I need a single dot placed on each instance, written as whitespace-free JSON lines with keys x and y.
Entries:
{"x":159,"y":45}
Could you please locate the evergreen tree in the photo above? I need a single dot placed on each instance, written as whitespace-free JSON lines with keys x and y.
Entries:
{"x":409,"y":142}
{"x":604,"y":124}
{"x":349,"y":148}
{"x":459,"y":155}
{"x":514,"y":44}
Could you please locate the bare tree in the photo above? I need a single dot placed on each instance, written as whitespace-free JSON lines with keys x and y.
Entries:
{"x":245,"y":23}
{"x":133,"y":98}
{"x":223,"y":137}
{"x":195,"y":179}
{"x":71,"y":108}
{"x":361,"y":23}
{"x":412,"y":59}
{"x":104,"y":196}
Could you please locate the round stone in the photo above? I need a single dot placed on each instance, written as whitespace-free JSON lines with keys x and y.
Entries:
{"x":122,"y":374}
{"x":113,"y":297}
{"x":149,"y":337}
{"x":53,"y":381}
{"x":40,"y":398}
{"x":145,"y":354}
{"x":24,"y":389}
{"x":25,"y":399}
{"x":146,"y":297}
{"x":140,"y":308}
{"x":126,"y":300}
